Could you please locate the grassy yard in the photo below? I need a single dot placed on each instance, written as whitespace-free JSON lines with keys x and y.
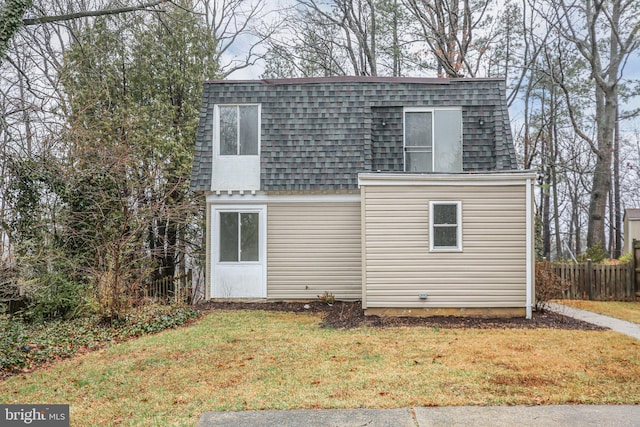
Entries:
{"x":629,"y":311}
{"x":242,"y":360}
{"x":26,"y":345}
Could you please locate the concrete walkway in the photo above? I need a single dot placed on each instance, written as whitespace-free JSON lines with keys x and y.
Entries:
{"x":622,"y":326}
{"x":478,"y":416}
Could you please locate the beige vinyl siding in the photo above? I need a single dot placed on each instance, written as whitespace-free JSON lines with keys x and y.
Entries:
{"x":489,"y":272}
{"x":313,"y":248}
{"x":631,"y":231}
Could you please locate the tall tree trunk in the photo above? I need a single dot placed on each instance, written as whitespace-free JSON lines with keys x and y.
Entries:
{"x":528,"y":152}
{"x":606,"y":35}
{"x":397,"y":60}
{"x":545,"y":203}
{"x":601,"y":184}
{"x":578,"y":223}
{"x":617,"y":205}
{"x":554,"y":177}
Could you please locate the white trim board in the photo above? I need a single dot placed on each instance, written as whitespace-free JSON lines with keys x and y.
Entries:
{"x":261,"y":198}
{"x":454,"y":179}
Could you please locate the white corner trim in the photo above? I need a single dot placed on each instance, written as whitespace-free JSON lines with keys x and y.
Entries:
{"x":261,"y":197}
{"x":529,"y":249}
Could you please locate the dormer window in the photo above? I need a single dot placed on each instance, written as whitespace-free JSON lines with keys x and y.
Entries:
{"x":432,"y":140}
{"x":238,"y":128}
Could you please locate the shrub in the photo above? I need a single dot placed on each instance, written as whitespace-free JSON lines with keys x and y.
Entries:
{"x":548,"y":285}
{"x":13,"y":339}
{"x":25,"y":345}
{"x":154,"y":318}
{"x":628,"y":257}
{"x":595,"y":253}
{"x":327,"y":298}
{"x":53,"y":295}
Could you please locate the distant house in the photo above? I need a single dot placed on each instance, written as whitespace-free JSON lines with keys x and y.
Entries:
{"x":631,"y":222}
{"x":400,"y":192}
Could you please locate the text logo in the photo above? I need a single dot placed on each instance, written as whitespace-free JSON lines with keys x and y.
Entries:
{"x":34,"y":415}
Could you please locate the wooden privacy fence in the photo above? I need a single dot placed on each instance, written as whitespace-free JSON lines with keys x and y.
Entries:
{"x":635,"y":260}
{"x":597,"y":282}
{"x":171,"y":288}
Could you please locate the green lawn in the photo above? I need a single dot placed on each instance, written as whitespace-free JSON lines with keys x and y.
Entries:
{"x":629,"y":311}
{"x":57,"y":339}
{"x":243,"y":360}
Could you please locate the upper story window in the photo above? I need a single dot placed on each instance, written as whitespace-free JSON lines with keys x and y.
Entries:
{"x":432,"y":140}
{"x":238,"y":129}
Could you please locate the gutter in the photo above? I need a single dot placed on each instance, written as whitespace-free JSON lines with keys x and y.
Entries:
{"x":529,"y":250}
{"x":515,"y":177}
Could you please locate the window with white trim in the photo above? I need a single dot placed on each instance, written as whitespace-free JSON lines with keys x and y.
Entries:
{"x":445,"y":228}
{"x":432,"y":140}
{"x":239,"y":236}
{"x":238,"y":128}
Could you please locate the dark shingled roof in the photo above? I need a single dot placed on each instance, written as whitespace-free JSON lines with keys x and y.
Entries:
{"x":317,"y":134}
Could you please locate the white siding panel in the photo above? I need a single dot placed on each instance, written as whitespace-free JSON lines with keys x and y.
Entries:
{"x":313,"y":248}
{"x":489,"y":272}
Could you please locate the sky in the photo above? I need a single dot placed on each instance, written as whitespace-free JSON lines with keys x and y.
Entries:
{"x":631,"y":70}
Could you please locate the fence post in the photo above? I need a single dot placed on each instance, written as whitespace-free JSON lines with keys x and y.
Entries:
{"x":635,"y":266}
{"x":590,"y":278}
{"x":630,"y":279}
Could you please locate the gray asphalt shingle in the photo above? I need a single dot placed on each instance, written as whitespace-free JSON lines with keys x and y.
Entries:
{"x":317,"y":134}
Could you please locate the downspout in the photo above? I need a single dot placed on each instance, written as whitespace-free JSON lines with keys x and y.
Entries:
{"x":529,"y":251}
{"x":363,"y":241}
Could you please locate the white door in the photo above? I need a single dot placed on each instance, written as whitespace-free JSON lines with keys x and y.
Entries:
{"x":239,"y":252}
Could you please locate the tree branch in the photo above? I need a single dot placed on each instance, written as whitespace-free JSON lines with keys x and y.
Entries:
{"x":78,"y":15}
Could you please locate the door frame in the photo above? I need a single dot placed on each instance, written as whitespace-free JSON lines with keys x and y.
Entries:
{"x":261,"y":264}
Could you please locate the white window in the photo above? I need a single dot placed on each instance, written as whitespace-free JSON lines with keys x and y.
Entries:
{"x":445,"y":231}
{"x":418,"y":141}
{"x":238,"y":129}
{"x":239,"y":237}
{"x":432,"y":140}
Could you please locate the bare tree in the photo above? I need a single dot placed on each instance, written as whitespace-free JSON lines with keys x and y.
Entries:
{"x":357,"y":21}
{"x":305,"y":48}
{"x":605,"y":33}
{"x":12,"y":16}
{"x":451,"y":29}
{"x":341,"y":37}
{"x":239,"y":28}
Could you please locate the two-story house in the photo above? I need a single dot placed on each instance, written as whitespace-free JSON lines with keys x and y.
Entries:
{"x":400,"y":192}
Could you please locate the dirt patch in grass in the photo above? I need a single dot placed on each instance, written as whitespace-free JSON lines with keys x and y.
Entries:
{"x":348,"y":315}
{"x":521,"y":380}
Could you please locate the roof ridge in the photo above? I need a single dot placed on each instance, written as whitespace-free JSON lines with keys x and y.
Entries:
{"x":357,"y":79}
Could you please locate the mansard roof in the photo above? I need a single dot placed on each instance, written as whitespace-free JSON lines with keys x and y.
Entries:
{"x":318,"y":133}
